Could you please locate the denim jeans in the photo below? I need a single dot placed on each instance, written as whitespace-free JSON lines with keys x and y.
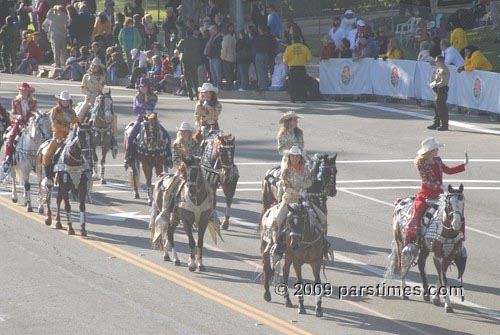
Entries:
{"x":216,"y":71}
{"x":261,"y":69}
{"x":27,"y":65}
{"x":111,"y":75}
{"x":243,"y":69}
{"x":77,"y":71}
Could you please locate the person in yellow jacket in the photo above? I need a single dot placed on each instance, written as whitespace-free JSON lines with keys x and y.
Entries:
{"x":102,"y":26}
{"x":296,"y":56}
{"x":458,"y":37}
{"x":475,"y":60}
{"x":62,"y":116}
{"x":394,"y":51}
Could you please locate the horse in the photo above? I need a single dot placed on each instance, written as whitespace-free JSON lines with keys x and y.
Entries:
{"x":38,"y":130}
{"x":193,"y":206}
{"x":73,"y":172}
{"x":324,"y":172}
{"x":441,"y":232}
{"x":4,"y":125}
{"x":306,"y":243}
{"x":219,"y":169}
{"x":149,"y":151}
{"x":102,"y":131}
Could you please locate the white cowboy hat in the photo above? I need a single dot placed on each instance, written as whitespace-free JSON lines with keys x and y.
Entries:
{"x":289,"y":115}
{"x":428,"y":145}
{"x":64,"y":95}
{"x":348,"y":12}
{"x":294,"y":151}
{"x":96,"y":61}
{"x":208,"y":87}
{"x":186,"y":126}
{"x":360,"y":23}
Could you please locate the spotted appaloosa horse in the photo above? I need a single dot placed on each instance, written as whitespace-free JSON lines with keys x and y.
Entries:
{"x":441,"y":232}
{"x":219,"y":168}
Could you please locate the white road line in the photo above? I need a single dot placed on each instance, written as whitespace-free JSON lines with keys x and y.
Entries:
{"x":421,"y":116}
{"x":392,"y":205}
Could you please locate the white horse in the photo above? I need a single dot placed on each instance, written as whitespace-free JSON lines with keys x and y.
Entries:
{"x":38,"y":131}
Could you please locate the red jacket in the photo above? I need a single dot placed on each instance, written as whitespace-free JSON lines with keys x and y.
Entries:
{"x":432,"y":176}
{"x":42,"y":9}
{"x":328,"y":51}
{"x":33,"y":51}
{"x":17,"y":110}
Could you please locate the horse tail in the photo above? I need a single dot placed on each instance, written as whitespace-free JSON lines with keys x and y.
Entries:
{"x":394,"y":262}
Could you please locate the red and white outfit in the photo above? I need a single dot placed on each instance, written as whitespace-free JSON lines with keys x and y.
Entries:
{"x":431,"y":175}
{"x":22,"y":111}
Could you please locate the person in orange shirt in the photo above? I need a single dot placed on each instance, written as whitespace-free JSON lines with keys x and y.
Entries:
{"x":475,"y":60}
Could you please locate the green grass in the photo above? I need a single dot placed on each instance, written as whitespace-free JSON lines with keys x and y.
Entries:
{"x":152,"y":8}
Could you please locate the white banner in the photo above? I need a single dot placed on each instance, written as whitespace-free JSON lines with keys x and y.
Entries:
{"x":393,"y":78}
{"x":343,"y":76}
{"x":478,"y":90}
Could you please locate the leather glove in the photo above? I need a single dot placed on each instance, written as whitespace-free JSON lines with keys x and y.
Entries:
{"x":466,"y":158}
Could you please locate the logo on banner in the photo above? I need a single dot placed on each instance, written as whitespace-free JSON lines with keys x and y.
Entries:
{"x":346,"y":74}
{"x":394,"y":76}
{"x":477,"y":88}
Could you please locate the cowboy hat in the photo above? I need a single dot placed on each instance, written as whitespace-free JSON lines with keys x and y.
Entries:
{"x":144,"y":82}
{"x":64,"y":95}
{"x":294,"y":151}
{"x":428,"y":145}
{"x":360,"y":23}
{"x":186,"y":126}
{"x":26,"y":86}
{"x":348,"y":12}
{"x":289,"y":115}
{"x":208,"y":87}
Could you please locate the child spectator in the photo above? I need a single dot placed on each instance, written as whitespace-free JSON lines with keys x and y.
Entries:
{"x":278,"y":80}
{"x":328,"y":50}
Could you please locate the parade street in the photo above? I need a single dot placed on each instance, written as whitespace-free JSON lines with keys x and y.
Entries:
{"x":112,"y":282}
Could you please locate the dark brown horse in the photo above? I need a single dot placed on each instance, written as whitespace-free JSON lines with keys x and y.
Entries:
{"x":305,"y":244}
{"x":149,"y":150}
{"x":73,"y":172}
{"x":219,"y":168}
{"x":102,"y":130}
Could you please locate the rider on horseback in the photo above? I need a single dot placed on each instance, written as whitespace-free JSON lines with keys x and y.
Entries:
{"x":295,"y":178}
{"x":144,"y":104}
{"x":62,"y":116}
{"x":207,"y":111}
{"x":430,"y":168}
{"x":290,"y":134}
{"x":184,"y":148}
{"x":23,"y":106}
{"x":92,"y":85}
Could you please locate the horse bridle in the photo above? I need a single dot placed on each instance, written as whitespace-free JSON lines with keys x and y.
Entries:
{"x":39,"y":128}
{"x":319,"y":176}
{"x":230,"y":152}
{"x":450,"y":213}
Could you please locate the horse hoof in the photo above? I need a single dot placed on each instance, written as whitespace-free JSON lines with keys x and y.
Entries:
{"x":225,"y":225}
{"x":83,"y":232}
{"x":267,"y":296}
{"x":288,"y":303}
{"x":319,"y":312}
{"x":59,"y":225}
{"x":201,"y":268}
{"x":29,"y":209}
{"x":426,"y":297}
{"x":302,"y":310}
{"x":449,"y":309}
{"x":103,"y":182}
{"x":48,"y":222}
{"x":136,"y":196}
{"x":14,"y":200}
{"x":166,"y":258}
{"x":40,"y":211}
{"x":177,"y":263}
{"x":71,"y":232}
{"x":191,"y":268}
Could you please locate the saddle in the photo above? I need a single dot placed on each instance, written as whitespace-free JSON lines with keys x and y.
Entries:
{"x":404,"y":207}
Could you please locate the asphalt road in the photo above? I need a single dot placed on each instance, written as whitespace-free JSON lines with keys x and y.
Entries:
{"x":112,"y":282}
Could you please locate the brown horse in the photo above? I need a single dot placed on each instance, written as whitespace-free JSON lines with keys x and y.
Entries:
{"x":149,"y":150}
{"x":441,"y":232}
{"x":305,"y":244}
{"x":219,"y":168}
{"x":73,"y":172}
{"x":102,"y":130}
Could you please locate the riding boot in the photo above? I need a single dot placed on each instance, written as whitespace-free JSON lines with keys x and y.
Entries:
{"x":48,"y":181}
{"x":128,"y":158}
{"x":280,"y":243}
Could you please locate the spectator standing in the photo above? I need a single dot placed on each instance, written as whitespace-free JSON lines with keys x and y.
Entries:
{"x":10,"y":37}
{"x":435,"y":49}
{"x":150,"y":31}
{"x":133,"y":7}
{"x":169,"y":28}
{"x":34,"y":14}
{"x":85,"y":26}
{"x":72,"y":25}
{"x":329,"y":49}
{"x":353,"y":37}
{"x":475,"y":60}
{"x":41,"y":10}
{"x":213,"y":52}
{"x":140,"y":28}
{"x":450,"y":54}
{"x":102,"y":27}
{"x":119,"y":21}
{"x":273,"y":21}
{"x":130,"y":39}
{"x":213,"y":10}
{"x":228,"y":56}
{"x":293,"y":29}
{"x":336,"y":32}
{"x":191,"y":58}
{"x":23,"y":9}
{"x":296,"y":57}
{"x":243,"y":59}
{"x":440,"y":88}
{"x":458,"y":37}
{"x":348,"y":22}
{"x":263,"y":44}
{"x":109,"y":11}
{"x":55,"y":26}
{"x":259,"y":15}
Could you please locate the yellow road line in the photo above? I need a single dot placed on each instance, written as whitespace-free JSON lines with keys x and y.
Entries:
{"x":176,"y":278}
